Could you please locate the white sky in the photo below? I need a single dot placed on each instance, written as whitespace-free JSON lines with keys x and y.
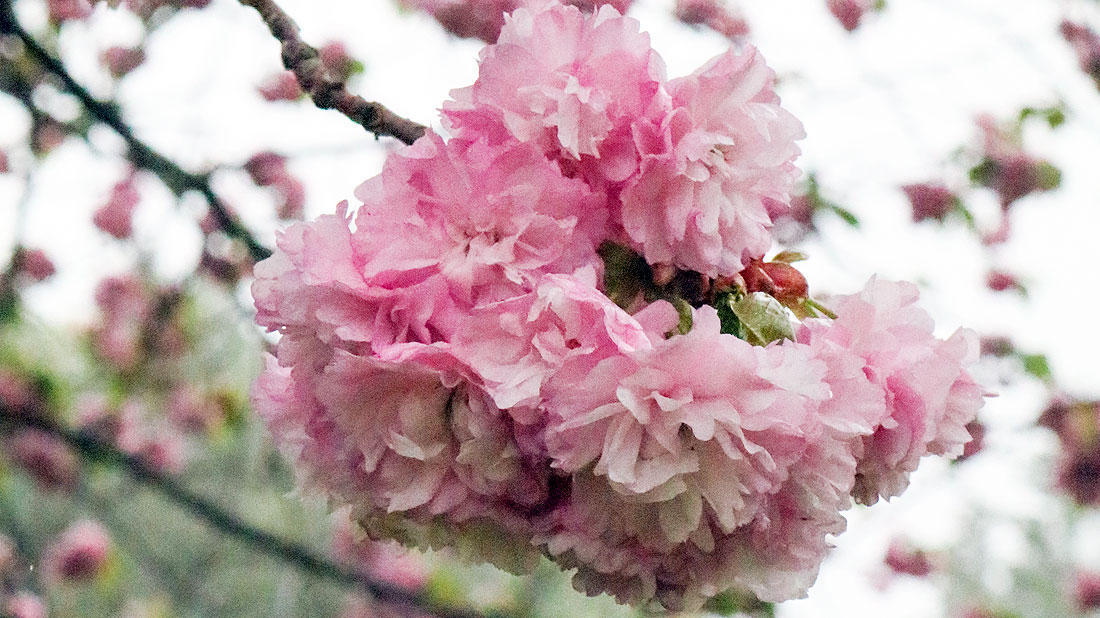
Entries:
{"x":883,"y":107}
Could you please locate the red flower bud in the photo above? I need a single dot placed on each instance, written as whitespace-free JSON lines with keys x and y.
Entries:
{"x":281,"y":87}
{"x":907,"y":560}
{"x":789,"y":284}
{"x":1087,"y":591}
{"x":121,"y":60}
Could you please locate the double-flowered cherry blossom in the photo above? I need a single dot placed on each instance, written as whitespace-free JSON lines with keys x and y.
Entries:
{"x":453,"y":371}
{"x":715,"y":171}
{"x":695,"y":168}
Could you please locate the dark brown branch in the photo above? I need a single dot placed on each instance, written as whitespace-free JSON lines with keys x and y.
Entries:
{"x":139,"y":153}
{"x":328,"y":93}
{"x":93,"y":449}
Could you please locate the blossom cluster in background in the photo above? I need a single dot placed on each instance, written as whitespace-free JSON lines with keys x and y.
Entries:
{"x":483,"y":19}
{"x":555,"y":333}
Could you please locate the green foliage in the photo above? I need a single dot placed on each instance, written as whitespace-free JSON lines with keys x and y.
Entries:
{"x":984,"y":173}
{"x":1048,"y":176}
{"x":1054,"y":115}
{"x":1036,"y":365}
{"x":819,"y":203}
{"x":625,"y":273}
{"x":756,"y":318}
{"x":732,"y":602}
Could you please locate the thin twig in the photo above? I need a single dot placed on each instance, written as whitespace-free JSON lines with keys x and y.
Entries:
{"x":139,"y":152}
{"x":93,"y":449}
{"x":327,"y":93}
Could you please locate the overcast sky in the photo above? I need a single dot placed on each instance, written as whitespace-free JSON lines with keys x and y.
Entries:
{"x":885,"y":106}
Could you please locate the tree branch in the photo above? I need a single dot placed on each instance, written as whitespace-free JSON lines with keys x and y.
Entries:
{"x":91,"y":448}
{"x":139,"y":153}
{"x":327,"y":93}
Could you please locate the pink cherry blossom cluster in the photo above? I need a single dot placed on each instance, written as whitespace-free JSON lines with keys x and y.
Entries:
{"x":452,"y":365}
{"x":131,"y":428}
{"x":483,"y":19}
{"x":137,"y":323}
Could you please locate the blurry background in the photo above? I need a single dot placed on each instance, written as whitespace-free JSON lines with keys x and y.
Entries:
{"x":937,"y":96}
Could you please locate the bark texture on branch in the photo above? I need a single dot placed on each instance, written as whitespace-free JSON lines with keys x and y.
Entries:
{"x":138,"y":152}
{"x":328,"y":93}
{"x":93,"y":449}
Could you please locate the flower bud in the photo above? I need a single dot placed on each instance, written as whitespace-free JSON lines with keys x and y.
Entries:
{"x":80,"y":554}
{"x":1079,"y":475}
{"x":336,"y":60}
{"x":25,"y":605}
{"x":292,"y":194}
{"x":930,"y":200}
{"x":15,"y":392}
{"x":789,"y":284}
{"x":848,"y":12}
{"x":996,"y":346}
{"x":47,"y":459}
{"x":1086,"y":44}
{"x":191,"y":411}
{"x":65,"y":10}
{"x":1000,"y":281}
{"x":48,"y":134}
{"x":121,"y":60}
{"x":266,"y":168}
{"x":116,"y":217}
{"x":34,"y":264}
{"x":281,"y":87}
{"x":907,"y":560}
{"x":1087,"y":591}
{"x":713,"y":14}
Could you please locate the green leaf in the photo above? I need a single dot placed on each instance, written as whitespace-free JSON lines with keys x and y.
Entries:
{"x":1036,"y":365}
{"x":844,"y":214}
{"x":9,"y":306}
{"x":965,"y":213}
{"x":684,"y":310}
{"x":1049,"y":176}
{"x":983,"y":173}
{"x":810,"y":308}
{"x":731,"y":324}
{"x":762,"y":319}
{"x":1055,"y":115}
{"x":732,"y":602}
{"x":790,"y":257}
